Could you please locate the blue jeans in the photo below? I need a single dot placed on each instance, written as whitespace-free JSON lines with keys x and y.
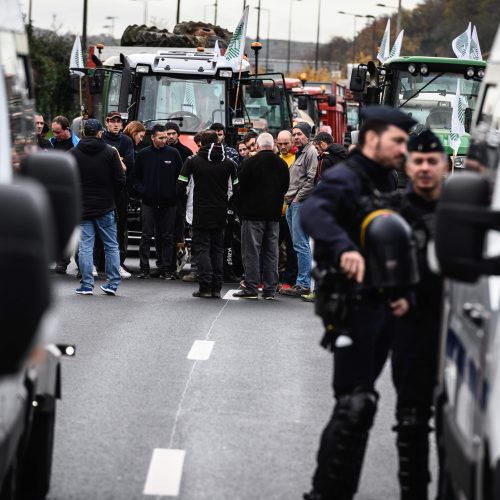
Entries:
{"x":300,"y":245}
{"x":105,"y":225}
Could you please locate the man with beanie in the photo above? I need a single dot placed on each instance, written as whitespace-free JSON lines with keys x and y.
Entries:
{"x":101,"y":177}
{"x":211,"y":171}
{"x":231,"y":153}
{"x":263,"y":183}
{"x":173,"y":132}
{"x":155,"y":175}
{"x":302,"y":177}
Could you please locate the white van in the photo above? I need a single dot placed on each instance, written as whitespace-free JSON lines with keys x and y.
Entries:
{"x":468,"y":250}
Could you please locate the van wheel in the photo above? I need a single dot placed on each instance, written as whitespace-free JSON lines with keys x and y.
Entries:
{"x":37,"y":464}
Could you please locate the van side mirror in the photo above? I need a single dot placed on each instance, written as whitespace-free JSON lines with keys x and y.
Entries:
{"x":332,"y":100}
{"x":58,"y":173}
{"x":273,"y":96}
{"x":26,"y":235}
{"x":302,"y":102}
{"x":358,"y":78}
{"x":463,"y":218}
{"x":97,"y":82}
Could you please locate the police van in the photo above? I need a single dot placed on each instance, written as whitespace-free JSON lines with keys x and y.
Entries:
{"x":39,"y":207}
{"x":468,"y":251}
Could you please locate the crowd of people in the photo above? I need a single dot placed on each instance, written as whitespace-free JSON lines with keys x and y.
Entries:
{"x":242,"y":218}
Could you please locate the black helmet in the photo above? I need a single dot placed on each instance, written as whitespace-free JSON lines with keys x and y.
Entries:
{"x":389,"y":250}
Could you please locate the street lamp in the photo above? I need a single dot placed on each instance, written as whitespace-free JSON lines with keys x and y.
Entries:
{"x":374,"y":47}
{"x":289,"y":36}
{"x":111,"y":25}
{"x":258,"y":22}
{"x":268,"y":27}
{"x":398,"y":18}
{"x":317,"y":37}
{"x":355,"y":16}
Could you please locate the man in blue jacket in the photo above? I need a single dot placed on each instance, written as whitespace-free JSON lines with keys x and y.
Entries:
{"x":155,"y":176}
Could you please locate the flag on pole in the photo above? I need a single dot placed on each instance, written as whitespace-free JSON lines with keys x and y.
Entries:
{"x":216,"y":49}
{"x":189,"y":98}
{"x":457,"y":120}
{"x":76,"y":58}
{"x":396,"y":48}
{"x":475,"y":50}
{"x":461,"y":44}
{"x":236,"y":48}
{"x":385,"y":45}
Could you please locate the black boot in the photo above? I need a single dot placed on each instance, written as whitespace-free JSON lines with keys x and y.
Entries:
{"x":413,"y":450}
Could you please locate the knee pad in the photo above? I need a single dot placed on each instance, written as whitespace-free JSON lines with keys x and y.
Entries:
{"x":358,"y":408}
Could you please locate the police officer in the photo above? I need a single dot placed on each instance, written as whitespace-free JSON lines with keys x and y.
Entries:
{"x":415,"y":347}
{"x":333,"y":216}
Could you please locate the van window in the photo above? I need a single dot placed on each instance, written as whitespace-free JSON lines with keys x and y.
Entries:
{"x":485,"y":144}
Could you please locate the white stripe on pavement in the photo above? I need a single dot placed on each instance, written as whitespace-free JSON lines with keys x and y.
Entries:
{"x":165,"y":472}
{"x":229,"y":295}
{"x":201,"y":350}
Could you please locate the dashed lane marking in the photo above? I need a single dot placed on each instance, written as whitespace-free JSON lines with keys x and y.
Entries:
{"x":201,"y":350}
{"x":165,"y":472}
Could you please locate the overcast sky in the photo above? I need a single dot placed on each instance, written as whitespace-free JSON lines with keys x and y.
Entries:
{"x":67,"y":15}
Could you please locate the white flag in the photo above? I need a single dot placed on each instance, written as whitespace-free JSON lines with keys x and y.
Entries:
{"x":461,"y":44}
{"x":457,"y":120}
{"x":475,"y":50}
{"x":236,"y":48}
{"x":396,"y":48}
{"x":385,"y":45}
{"x":76,"y":59}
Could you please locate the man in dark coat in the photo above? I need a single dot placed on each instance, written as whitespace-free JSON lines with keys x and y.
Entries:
{"x":101,"y":177}
{"x":329,"y":153}
{"x":264,"y":180}
{"x":155,"y":175}
{"x":211,"y":171}
{"x":333,"y":216}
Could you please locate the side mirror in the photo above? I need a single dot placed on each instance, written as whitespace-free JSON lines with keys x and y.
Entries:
{"x":462,"y":220}
{"x":332,"y":100}
{"x":273,"y":96}
{"x":97,"y":82}
{"x":26,"y":235}
{"x":124,"y":84}
{"x":256,"y":89}
{"x":74,"y":82}
{"x":58,"y":173}
{"x":302,"y":102}
{"x":358,"y":78}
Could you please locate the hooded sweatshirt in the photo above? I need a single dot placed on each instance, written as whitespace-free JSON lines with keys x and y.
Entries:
{"x":101,"y":176}
{"x":211,"y":171}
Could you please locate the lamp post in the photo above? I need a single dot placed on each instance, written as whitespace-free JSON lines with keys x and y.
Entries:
{"x":111,"y":25}
{"x":216,"y":5}
{"x":177,"y":18}
{"x":317,"y":37}
{"x":374,"y":48}
{"x":355,"y":16}
{"x":258,"y":22}
{"x":289,"y":36}
{"x":84,"y":29}
{"x":267,"y":37}
{"x":398,"y":18}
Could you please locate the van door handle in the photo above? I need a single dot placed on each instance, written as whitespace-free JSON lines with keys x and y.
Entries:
{"x":475,"y":312}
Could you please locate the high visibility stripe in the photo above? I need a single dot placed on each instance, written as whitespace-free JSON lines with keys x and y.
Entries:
{"x":182,"y":178}
{"x":368,"y":219}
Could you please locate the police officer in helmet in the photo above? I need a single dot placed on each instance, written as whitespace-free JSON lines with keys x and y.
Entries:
{"x":416,"y":341}
{"x":346,"y":202}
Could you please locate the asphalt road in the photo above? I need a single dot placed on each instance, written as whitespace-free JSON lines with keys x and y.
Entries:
{"x":245,"y":416}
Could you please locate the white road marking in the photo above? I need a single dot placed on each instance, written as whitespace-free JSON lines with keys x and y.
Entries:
{"x":165,"y":472}
{"x":229,"y":295}
{"x":201,"y":350}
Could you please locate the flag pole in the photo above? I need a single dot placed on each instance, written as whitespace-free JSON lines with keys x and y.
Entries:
{"x":453,"y":162}
{"x":239,"y":83}
{"x":81,"y":105}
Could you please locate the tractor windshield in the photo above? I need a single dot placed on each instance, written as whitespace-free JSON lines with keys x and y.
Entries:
{"x":430,"y":99}
{"x":193,"y":104}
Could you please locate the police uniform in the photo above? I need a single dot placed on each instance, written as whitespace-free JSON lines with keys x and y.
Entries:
{"x":333,"y":216}
{"x":416,"y":342}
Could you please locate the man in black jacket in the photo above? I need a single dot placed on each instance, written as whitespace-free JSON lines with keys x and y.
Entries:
{"x":264,"y":180}
{"x":329,"y":153}
{"x":211,"y":171}
{"x":155,"y":175}
{"x":114,"y":136}
{"x":101,"y":177}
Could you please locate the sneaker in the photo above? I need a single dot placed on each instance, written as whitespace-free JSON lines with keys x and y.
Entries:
{"x":284,"y":286}
{"x":308,"y":297}
{"x":268,"y":295}
{"x":60,"y":269}
{"x":124,"y":274}
{"x":245,"y":294}
{"x":84,"y":290}
{"x":170,"y":276}
{"x":144,"y":275}
{"x":94,"y":271}
{"x":190,"y":278}
{"x":202,"y":295}
{"x":108,"y":289}
{"x":157,"y":274}
{"x":295,"y":291}
{"x":260,"y":287}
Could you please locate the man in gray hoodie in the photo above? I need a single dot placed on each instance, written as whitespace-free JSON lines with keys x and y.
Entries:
{"x":302,"y":176}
